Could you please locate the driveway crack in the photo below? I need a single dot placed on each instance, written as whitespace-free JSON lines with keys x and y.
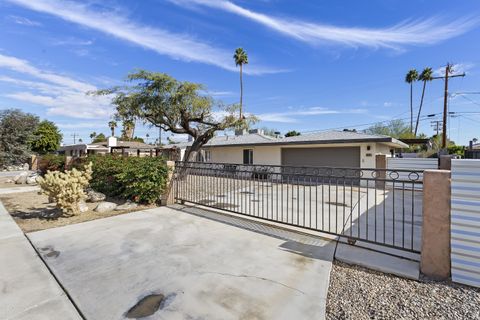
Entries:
{"x":254,"y":277}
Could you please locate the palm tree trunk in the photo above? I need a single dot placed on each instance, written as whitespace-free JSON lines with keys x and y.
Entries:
{"x":411,"y":107}
{"x":241,"y":92}
{"x":420,"y":109}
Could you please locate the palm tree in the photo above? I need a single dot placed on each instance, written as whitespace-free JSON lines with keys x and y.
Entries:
{"x":410,"y":78}
{"x":112,"y":124}
{"x":93,"y":135}
{"x":241,"y":58}
{"x":129,"y":128}
{"x":425,"y":76}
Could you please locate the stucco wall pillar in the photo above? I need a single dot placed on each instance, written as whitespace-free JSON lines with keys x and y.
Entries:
{"x":435,"y":256}
{"x":445,"y":162}
{"x":168,"y":196}
{"x":381,"y":163}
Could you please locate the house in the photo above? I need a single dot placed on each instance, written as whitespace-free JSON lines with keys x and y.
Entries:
{"x":111,"y":145}
{"x":329,"y":148}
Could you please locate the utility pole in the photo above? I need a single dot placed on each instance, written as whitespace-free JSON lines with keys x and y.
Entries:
{"x":74,"y":135}
{"x":448,"y":71}
{"x":436,"y":125}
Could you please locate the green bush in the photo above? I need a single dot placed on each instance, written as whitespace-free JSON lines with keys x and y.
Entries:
{"x":138,"y":179}
{"x":52,"y":162}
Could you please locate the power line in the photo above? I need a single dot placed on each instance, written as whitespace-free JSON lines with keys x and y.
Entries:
{"x":370,"y":123}
{"x":470,"y":100}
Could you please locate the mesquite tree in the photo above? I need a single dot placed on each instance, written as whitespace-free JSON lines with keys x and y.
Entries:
{"x":180,"y":107}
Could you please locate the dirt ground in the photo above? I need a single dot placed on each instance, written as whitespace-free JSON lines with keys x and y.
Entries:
{"x":32,"y":212}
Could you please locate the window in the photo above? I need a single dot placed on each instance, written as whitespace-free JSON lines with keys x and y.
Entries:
{"x":248,"y":156}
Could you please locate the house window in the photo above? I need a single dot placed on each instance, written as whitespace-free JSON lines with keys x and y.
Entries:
{"x":248,"y":156}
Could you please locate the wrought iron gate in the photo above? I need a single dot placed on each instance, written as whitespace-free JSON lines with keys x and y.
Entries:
{"x":379,"y":206}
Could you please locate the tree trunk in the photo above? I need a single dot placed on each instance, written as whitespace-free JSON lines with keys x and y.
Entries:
{"x":411,"y":107}
{"x":113,"y":131}
{"x":241,"y":91}
{"x":420,"y":109}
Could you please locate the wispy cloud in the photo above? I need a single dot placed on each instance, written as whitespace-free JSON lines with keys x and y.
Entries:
{"x":61,"y":95}
{"x":291,"y":116}
{"x":24,"y":21}
{"x":406,"y":33}
{"x":72,"y":42}
{"x":175,"y":45}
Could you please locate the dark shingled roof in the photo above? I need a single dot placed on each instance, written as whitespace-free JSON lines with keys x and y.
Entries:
{"x":325,"y":137}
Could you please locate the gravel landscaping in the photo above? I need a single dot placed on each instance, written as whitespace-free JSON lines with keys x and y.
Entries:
{"x":359,"y":293}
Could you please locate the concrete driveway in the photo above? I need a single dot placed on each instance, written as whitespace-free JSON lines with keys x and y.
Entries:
{"x":166,"y":263}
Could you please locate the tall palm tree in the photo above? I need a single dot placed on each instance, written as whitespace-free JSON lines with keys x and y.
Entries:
{"x":112,"y":124}
{"x":410,"y":78}
{"x":425,"y":76}
{"x":240,"y":58}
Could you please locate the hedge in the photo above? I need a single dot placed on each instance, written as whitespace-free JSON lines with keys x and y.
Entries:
{"x":141,"y":179}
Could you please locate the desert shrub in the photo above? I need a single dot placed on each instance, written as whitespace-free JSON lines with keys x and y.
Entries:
{"x":67,"y":188}
{"x":105,"y":169}
{"x":52,"y":162}
{"x":138,"y":179}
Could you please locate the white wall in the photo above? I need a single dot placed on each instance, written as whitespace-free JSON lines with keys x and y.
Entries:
{"x":271,"y":155}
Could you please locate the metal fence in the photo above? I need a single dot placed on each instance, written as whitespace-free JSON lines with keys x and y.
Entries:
{"x":380,"y":206}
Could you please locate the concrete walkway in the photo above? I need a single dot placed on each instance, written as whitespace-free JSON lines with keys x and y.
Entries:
{"x":27,"y":288}
{"x":166,"y":263}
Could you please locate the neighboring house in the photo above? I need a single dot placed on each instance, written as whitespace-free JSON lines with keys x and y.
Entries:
{"x":112,"y":145}
{"x":330,"y":148}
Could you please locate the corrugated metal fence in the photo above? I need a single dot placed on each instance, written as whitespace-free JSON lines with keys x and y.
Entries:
{"x":465,"y":222}
{"x":411,"y":164}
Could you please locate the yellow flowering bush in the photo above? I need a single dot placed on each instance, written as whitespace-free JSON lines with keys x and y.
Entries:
{"x":67,"y":188}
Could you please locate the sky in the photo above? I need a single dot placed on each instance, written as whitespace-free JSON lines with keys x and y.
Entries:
{"x":313,"y":65}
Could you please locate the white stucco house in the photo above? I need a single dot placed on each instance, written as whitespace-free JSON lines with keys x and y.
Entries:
{"x":329,"y":148}
{"x":111,"y":145}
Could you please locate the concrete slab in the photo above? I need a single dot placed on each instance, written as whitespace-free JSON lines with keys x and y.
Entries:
{"x":378,"y":261}
{"x":27,"y":288}
{"x":205,"y":268}
{"x":10,"y":190}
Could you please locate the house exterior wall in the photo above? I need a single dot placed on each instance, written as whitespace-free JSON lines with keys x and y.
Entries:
{"x":272,"y":155}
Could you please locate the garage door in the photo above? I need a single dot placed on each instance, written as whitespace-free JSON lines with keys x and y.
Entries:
{"x":322,"y":157}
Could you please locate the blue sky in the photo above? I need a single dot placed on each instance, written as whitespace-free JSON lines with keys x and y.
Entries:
{"x":314,"y":65}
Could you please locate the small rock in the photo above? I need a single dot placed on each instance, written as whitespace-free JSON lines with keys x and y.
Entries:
{"x":26,"y":166}
{"x":22,"y":174}
{"x":105,"y":206}
{"x":21,"y":178}
{"x":9,"y":181}
{"x":95,"y":196}
{"x":129,"y":205}
{"x":31,"y":180}
{"x":82,"y":206}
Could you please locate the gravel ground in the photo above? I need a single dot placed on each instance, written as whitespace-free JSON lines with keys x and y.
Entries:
{"x":358,"y":293}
